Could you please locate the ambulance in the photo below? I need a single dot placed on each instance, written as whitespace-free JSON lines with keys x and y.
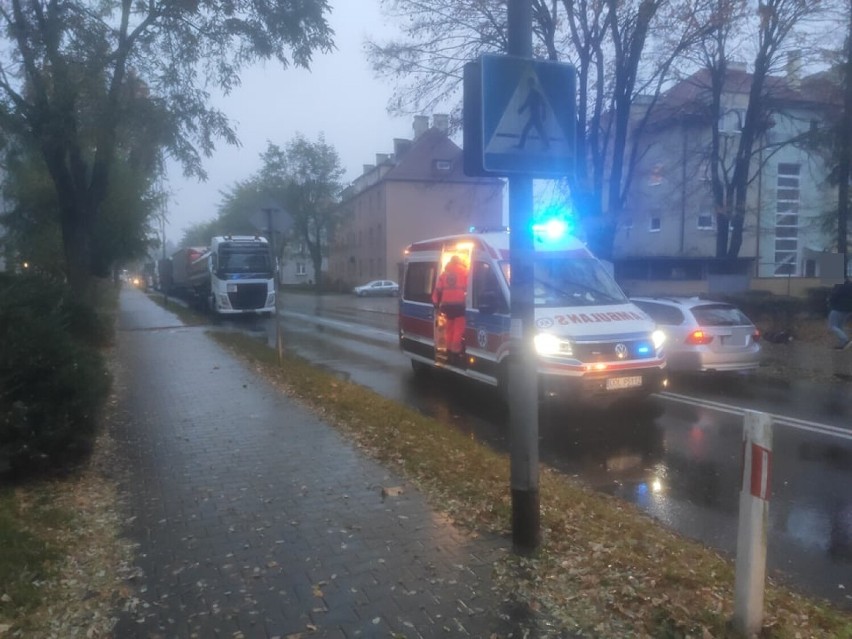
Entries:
{"x":591,"y":342}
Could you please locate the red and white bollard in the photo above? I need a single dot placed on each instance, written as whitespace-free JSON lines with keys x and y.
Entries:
{"x":750,"y":580}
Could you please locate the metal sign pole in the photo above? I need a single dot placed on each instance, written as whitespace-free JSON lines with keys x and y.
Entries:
{"x":523,"y":371}
{"x":279,"y":346}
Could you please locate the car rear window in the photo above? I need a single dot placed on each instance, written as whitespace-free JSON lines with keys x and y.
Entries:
{"x":720,"y":315}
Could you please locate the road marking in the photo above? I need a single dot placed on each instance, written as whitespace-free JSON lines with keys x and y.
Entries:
{"x":346,"y":327}
{"x":784,"y":420}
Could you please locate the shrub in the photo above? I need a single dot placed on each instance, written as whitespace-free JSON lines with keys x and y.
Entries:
{"x":53,"y":378}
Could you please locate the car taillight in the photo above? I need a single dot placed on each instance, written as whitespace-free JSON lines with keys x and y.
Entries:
{"x":756,"y":335}
{"x":698,"y":338}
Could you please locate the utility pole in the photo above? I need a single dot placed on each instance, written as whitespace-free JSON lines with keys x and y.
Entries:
{"x":523,"y":368}
{"x":279,"y":343}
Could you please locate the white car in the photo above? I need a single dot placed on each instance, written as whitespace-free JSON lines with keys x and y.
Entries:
{"x":377,"y":287}
{"x":704,"y":335}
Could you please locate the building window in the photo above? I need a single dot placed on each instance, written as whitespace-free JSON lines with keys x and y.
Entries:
{"x":731,"y":121}
{"x":655,"y":224}
{"x":301,"y":269}
{"x":705,"y":222}
{"x":810,"y":268}
{"x":442,"y":166}
{"x":787,"y":219}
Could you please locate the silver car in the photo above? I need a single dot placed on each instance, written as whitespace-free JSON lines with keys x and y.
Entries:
{"x":377,"y":287}
{"x":703,"y":335}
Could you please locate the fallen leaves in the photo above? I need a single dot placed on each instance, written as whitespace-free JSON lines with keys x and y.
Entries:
{"x":91,"y":577}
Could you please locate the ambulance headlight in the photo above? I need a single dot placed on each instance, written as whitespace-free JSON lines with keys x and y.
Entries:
{"x":547,"y":344}
{"x":659,"y":338}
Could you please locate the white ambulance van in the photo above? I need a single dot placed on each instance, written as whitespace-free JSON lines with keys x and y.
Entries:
{"x":592,"y":343}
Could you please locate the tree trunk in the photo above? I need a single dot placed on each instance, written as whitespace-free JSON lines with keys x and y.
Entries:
{"x":77,"y":249}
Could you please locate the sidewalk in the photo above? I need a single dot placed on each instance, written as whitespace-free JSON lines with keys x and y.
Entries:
{"x":256,"y":519}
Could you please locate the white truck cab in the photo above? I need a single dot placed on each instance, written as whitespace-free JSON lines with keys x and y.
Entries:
{"x":236,"y":275}
{"x":592,"y":342}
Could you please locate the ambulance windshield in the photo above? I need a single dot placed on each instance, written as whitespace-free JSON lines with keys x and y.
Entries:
{"x":561,"y":281}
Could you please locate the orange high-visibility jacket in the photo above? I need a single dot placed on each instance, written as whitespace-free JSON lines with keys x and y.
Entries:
{"x":451,"y":286}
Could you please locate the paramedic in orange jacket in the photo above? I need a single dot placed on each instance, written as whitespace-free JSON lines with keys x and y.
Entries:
{"x":449,"y":298}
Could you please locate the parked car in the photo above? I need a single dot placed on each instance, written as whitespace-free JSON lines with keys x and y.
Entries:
{"x":377,"y":287}
{"x":704,"y":335}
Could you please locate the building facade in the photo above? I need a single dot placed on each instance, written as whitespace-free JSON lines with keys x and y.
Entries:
{"x":669,"y":225}
{"x":295,"y":266}
{"x":417,"y":192}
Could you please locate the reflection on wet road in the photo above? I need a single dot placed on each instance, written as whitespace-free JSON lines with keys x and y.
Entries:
{"x":679,"y":460}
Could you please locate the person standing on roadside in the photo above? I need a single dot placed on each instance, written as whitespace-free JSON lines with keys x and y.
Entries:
{"x":840,"y":308}
{"x":449,"y":297}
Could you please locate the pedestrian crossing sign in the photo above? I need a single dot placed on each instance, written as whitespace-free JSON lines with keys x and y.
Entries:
{"x":528,"y":116}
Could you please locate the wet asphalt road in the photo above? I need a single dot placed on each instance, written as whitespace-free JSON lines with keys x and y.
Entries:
{"x":679,"y":461}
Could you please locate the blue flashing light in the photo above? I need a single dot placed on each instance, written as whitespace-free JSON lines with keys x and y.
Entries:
{"x":551,"y":230}
{"x":643,"y":349}
{"x":553,"y":224}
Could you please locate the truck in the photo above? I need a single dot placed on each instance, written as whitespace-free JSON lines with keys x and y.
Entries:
{"x":235,"y":275}
{"x":592,"y":344}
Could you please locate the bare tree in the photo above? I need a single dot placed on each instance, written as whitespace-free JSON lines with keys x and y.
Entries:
{"x":777,"y":22}
{"x":738,"y":132}
{"x":725,"y":21}
{"x":426,"y":64}
{"x":605,"y":40}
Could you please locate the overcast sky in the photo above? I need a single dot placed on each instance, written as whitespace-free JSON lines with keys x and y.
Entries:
{"x":339,"y":98}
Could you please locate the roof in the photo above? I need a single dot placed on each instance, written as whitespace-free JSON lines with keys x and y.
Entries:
{"x":691,"y":96}
{"x":687,"y":302}
{"x":420,"y":161}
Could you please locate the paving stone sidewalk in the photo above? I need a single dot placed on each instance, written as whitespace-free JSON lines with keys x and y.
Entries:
{"x":256,"y":519}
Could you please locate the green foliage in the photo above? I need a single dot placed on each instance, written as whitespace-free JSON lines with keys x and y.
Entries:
{"x":32,"y":214}
{"x":303,"y":178}
{"x":239,"y":204}
{"x":199,"y":234}
{"x":94,"y":85}
{"x":53,"y":379}
{"x":307,"y":176}
{"x":123,"y":232}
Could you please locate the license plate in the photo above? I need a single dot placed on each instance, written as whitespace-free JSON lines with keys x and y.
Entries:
{"x":615,"y":383}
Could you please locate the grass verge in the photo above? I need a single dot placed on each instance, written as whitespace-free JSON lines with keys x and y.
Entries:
{"x":604,"y":569}
{"x":28,"y":554}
